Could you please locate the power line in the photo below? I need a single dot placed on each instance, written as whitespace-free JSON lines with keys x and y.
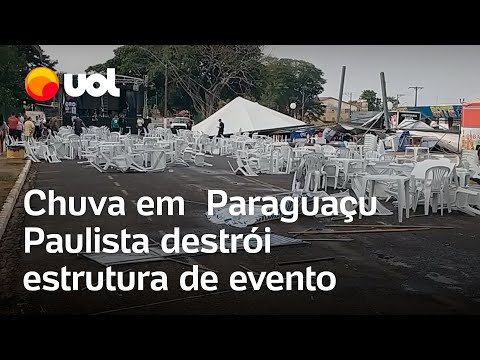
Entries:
{"x":183,"y":84}
{"x":416,"y":92}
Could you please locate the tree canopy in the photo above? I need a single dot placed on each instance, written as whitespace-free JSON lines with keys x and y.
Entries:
{"x":286,"y":81}
{"x":202,"y":78}
{"x":374,"y":103}
{"x":15,"y":63}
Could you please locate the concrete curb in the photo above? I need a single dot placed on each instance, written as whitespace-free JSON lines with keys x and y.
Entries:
{"x":12,"y":197}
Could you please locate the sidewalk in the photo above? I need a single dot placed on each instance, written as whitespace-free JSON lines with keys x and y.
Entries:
{"x":9,"y":171}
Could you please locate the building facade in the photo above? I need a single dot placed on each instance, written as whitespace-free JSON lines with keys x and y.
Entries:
{"x":331,"y":109}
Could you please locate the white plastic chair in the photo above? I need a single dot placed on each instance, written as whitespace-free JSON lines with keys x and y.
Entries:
{"x":200,"y":159}
{"x":312,"y":165}
{"x":243,"y":167}
{"x":436,"y":182}
{"x":370,"y":142}
{"x":371,"y":155}
{"x":343,"y":153}
{"x":388,"y":157}
{"x":330,"y":171}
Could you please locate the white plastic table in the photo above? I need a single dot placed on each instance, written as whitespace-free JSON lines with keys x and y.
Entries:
{"x":415,"y":150}
{"x":403,"y":191}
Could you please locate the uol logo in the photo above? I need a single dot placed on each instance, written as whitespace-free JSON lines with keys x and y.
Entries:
{"x":42,"y":84}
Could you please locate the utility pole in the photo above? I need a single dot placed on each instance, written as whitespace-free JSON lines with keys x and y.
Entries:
{"x":166,"y":85}
{"x":398,"y":97}
{"x":303,"y":103}
{"x":350,"y":102}
{"x":145,"y":97}
{"x":340,"y":96}
{"x":416,"y":91}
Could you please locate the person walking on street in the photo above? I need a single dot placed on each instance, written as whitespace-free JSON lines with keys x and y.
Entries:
{"x":221,"y":127}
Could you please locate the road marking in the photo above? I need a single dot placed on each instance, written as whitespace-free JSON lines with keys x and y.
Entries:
{"x":116,"y":183}
{"x":124,"y":191}
{"x":110,"y":177}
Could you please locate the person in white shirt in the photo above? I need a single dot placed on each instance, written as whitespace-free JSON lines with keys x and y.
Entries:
{"x":140,"y":123}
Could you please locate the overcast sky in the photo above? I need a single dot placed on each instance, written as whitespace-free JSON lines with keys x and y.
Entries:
{"x":447,"y":72}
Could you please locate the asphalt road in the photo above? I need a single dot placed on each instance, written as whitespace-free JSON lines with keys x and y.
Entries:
{"x":424,"y":272}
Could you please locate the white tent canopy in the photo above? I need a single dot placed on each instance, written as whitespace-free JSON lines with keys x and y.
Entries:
{"x":244,"y":115}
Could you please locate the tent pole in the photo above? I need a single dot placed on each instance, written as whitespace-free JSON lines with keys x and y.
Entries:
{"x":384,"y":96}
{"x":340,"y":94}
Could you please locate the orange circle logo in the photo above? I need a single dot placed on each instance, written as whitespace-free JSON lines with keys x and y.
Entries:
{"x":41,"y":84}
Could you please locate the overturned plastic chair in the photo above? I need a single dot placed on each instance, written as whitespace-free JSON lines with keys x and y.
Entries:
{"x":200,"y":159}
{"x":243,"y":167}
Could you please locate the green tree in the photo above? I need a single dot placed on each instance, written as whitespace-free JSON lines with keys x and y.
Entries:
{"x":374,"y":103}
{"x":12,"y":77}
{"x":370,"y":96}
{"x":199,"y":76}
{"x":287,"y":80}
{"x":394,"y":101}
{"x":35,"y":56}
{"x":15,"y":63}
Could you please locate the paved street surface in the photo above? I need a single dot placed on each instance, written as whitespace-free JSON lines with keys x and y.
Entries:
{"x":424,"y":272}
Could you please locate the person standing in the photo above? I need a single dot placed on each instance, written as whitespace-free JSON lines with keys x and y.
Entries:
{"x":28,"y":128}
{"x":77,"y":125}
{"x":140,"y":123}
{"x":38,"y":123}
{"x":12,"y":123}
{"x":221,"y":127}
{"x":189,"y":124}
{"x":3,"y":133}
{"x":450,"y":122}
{"x":19,"y":127}
{"x":121,"y":121}
{"x":115,"y":124}
{"x":53,"y":123}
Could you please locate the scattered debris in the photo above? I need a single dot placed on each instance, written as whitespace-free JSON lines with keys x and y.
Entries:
{"x":335,"y":218}
{"x":201,"y":268}
{"x":305,"y":261}
{"x":248,"y":270}
{"x":195,"y":202}
{"x":156,"y":253}
{"x":327,"y":239}
{"x":394,"y":226}
{"x":440,"y":278}
{"x":365,"y":231}
{"x":309,"y":229}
